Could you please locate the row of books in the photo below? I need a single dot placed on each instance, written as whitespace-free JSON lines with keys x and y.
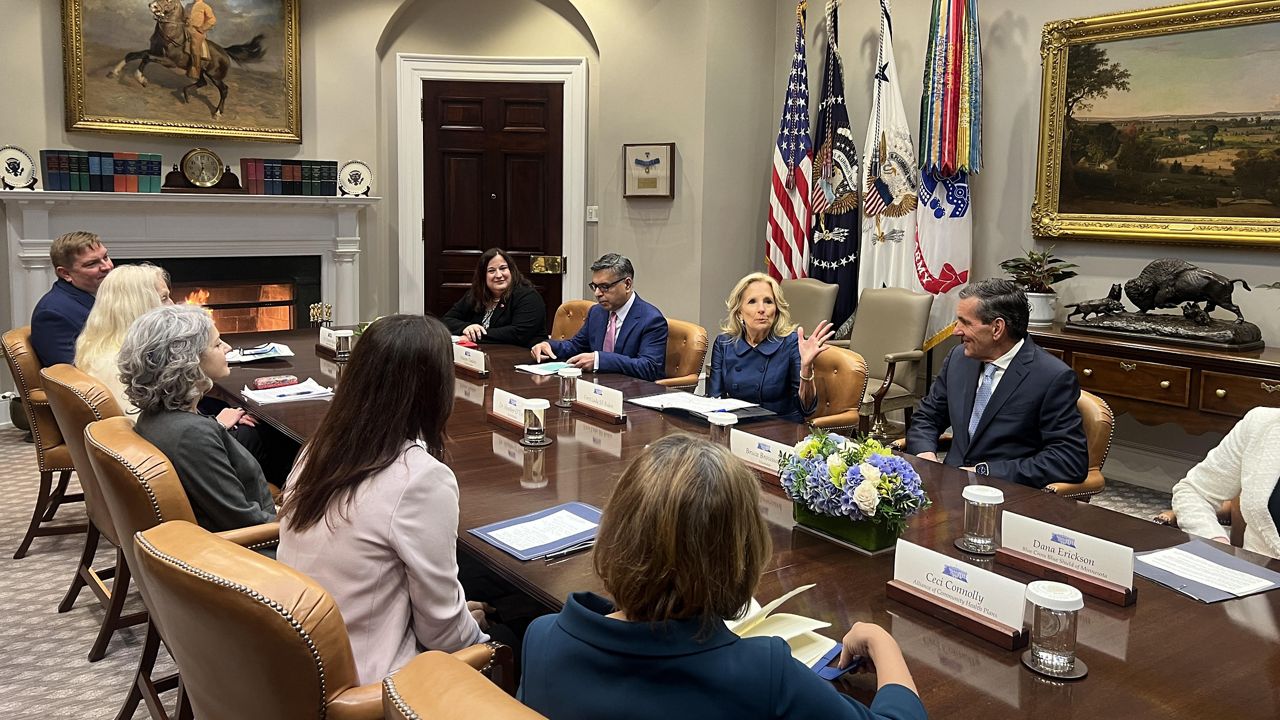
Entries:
{"x":101,"y":171}
{"x":289,"y":177}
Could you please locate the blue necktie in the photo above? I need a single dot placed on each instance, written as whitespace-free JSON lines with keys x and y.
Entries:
{"x":983,"y":396}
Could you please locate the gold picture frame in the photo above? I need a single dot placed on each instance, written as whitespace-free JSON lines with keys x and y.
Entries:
{"x":117,"y":79}
{"x":1155,"y":162}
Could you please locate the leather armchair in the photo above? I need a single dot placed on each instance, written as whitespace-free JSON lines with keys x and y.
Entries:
{"x":811,"y":301}
{"x":888,"y":331}
{"x":142,"y":490}
{"x":570,"y":317}
{"x":252,"y":637}
{"x":52,"y":454}
{"x":686,"y":351}
{"x":77,"y":400}
{"x":439,"y":685}
{"x":1098,"y":423}
{"x":840,"y":377}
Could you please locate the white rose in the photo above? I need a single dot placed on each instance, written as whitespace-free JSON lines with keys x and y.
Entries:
{"x":867,"y":497}
{"x":835,"y":466}
{"x":870,"y":473}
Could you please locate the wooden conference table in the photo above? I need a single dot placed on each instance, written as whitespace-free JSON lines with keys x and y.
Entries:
{"x":1164,"y":656}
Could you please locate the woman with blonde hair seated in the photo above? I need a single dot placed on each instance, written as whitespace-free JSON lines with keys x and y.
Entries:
{"x":124,"y":295}
{"x":680,"y":548}
{"x":1246,"y":463}
{"x":761,"y":357}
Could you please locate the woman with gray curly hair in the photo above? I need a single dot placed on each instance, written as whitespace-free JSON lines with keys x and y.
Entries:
{"x":169,"y":359}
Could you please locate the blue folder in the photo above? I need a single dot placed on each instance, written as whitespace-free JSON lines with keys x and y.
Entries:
{"x":582,"y":510}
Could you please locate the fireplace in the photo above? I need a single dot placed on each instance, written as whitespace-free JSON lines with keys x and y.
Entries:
{"x":247,"y":294}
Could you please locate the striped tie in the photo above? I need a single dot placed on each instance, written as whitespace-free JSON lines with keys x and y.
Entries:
{"x":983,"y":396}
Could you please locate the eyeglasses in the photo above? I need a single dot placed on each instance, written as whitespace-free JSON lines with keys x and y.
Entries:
{"x":496,"y":270}
{"x":604,"y":287}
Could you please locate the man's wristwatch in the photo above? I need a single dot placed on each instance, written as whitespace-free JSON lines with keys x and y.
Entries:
{"x":981,"y":469}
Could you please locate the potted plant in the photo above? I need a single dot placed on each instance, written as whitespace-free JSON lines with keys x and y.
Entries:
{"x":1037,"y":272}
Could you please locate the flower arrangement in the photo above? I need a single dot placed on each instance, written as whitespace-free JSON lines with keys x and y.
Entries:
{"x":858,"y":480}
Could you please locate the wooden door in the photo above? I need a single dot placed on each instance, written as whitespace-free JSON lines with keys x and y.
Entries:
{"x":493,"y":164}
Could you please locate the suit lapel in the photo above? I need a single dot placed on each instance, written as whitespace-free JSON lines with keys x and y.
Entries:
{"x":1009,"y":383}
{"x":628,"y":325}
{"x":970,"y":371}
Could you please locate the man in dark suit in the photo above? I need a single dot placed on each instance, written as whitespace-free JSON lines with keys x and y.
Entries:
{"x":81,"y":262}
{"x":622,"y":334}
{"x":1011,"y":405}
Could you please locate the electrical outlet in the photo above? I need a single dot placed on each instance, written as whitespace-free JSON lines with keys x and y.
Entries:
{"x":593,"y":213}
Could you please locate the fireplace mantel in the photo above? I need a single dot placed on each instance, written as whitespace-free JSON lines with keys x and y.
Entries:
{"x":151,"y":225}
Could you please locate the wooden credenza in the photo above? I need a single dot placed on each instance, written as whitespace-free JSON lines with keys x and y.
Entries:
{"x":1201,"y":390}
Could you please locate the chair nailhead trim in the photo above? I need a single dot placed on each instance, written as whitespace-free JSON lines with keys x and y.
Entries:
{"x":257,"y":597}
{"x":389,"y":687}
{"x":151,"y":495}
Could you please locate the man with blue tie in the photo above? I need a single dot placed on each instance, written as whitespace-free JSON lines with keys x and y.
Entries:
{"x":622,"y":334}
{"x":1011,"y":405}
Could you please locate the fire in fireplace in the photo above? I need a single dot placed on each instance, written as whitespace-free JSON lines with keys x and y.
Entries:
{"x":242,"y":307}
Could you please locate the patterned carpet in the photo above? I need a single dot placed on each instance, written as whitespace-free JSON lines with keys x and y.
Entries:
{"x":43,"y":669}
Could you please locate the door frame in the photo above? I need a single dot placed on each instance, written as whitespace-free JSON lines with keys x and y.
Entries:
{"x":411,"y":70}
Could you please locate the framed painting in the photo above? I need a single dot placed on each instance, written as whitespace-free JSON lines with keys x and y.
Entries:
{"x":223,"y":68}
{"x":649,"y":170}
{"x":1156,"y":126}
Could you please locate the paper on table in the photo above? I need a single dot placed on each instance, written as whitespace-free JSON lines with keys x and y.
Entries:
{"x":543,"y":531}
{"x":266,"y":351}
{"x":688,"y":401}
{"x":1206,"y":572}
{"x":546,"y":368}
{"x":307,"y":390}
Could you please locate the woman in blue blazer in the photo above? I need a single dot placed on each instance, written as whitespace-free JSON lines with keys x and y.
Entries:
{"x":758,"y":358}
{"x":681,"y":547}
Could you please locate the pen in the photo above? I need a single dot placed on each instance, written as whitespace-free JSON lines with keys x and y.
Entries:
{"x":295,"y":394}
{"x":570,"y":550}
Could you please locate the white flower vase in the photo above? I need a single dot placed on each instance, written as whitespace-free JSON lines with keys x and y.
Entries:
{"x":1044,"y":306}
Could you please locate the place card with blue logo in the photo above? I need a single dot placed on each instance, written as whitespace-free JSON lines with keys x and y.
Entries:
{"x":762,"y":454}
{"x":1100,"y":568}
{"x":507,"y":408}
{"x":470,"y":361}
{"x":599,"y":401}
{"x":977,"y":601}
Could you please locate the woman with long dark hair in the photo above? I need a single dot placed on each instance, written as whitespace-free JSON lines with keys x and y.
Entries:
{"x":500,"y":307}
{"x":371,"y":512}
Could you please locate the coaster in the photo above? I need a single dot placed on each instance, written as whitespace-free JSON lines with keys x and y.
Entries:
{"x":964,"y":548}
{"x":545,"y":441}
{"x":1078,"y":671}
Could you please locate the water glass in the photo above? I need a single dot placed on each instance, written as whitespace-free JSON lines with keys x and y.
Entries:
{"x":568,"y":386}
{"x":981,"y":512}
{"x":535,"y":422}
{"x":1053,"y":626}
{"x":721,"y":425}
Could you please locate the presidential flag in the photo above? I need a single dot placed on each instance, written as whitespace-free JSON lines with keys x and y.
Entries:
{"x":950,"y":151}
{"x":790,"y":213}
{"x":891,"y":183}
{"x":834,"y":250}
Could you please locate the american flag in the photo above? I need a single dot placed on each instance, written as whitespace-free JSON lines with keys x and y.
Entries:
{"x":790,"y":209}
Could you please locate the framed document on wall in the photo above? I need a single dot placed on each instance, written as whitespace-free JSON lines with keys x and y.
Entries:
{"x":649,"y":170}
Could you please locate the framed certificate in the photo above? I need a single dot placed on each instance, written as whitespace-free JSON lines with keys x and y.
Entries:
{"x":649,"y":170}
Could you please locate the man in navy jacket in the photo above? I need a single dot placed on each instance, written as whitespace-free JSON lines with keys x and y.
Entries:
{"x":81,"y":262}
{"x":622,"y":334}
{"x":1026,"y":427}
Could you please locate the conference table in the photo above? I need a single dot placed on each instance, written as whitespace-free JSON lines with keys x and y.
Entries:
{"x":1164,"y":656}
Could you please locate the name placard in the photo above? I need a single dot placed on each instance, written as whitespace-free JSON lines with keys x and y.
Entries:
{"x":328,"y":338}
{"x":608,"y":441}
{"x":471,"y":359}
{"x":976,"y":600}
{"x":1097,"y":567}
{"x":760,"y":453}
{"x":508,"y":408}
{"x":600,"y":401}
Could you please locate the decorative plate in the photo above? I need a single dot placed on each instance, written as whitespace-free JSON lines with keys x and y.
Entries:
{"x":17,"y":169}
{"x":355,"y":178}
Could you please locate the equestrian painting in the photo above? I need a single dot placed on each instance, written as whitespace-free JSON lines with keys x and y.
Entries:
{"x":183,"y":67}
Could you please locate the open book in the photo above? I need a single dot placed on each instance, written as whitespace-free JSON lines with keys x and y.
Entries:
{"x":700,"y":406}
{"x":807,"y":646}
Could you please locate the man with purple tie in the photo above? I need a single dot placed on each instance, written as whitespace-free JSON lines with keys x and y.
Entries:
{"x":622,"y":334}
{"x":1011,"y":405}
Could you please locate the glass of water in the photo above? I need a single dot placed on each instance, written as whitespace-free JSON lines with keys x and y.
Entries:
{"x":1053,"y":627}
{"x":981,"y":512}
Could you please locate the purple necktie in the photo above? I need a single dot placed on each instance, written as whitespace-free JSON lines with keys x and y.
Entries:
{"x":611,"y":332}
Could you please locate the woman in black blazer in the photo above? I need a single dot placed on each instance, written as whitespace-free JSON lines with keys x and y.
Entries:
{"x":501,"y":306}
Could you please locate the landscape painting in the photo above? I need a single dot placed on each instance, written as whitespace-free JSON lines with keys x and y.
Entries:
{"x":129,"y":67}
{"x":1168,"y":131}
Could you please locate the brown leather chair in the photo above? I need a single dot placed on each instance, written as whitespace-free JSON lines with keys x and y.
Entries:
{"x":439,"y":685}
{"x":686,"y":351}
{"x":840,"y":377}
{"x":77,"y":400}
{"x":888,"y":330}
{"x":811,"y":301}
{"x":142,"y":490}
{"x":1098,"y":423}
{"x":252,"y":637}
{"x":570,"y":317}
{"x":52,"y":455}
